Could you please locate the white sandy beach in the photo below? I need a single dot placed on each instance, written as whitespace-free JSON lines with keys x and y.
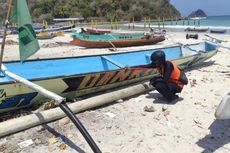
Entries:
{"x":187,"y":126}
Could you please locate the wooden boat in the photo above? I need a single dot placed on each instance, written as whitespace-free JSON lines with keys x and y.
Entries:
{"x":55,"y":29}
{"x":116,"y":43}
{"x":77,"y":76}
{"x":108,"y":37}
{"x":46,"y":35}
{"x":218,"y":30}
{"x":115,"y":39}
{"x":96,"y":31}
{"x":198,"y":18}
{"x":197,"y":29}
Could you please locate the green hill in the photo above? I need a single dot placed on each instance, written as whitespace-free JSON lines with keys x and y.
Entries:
{"x":119,"y":10}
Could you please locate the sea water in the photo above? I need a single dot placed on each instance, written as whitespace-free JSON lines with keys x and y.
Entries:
{"x":211,"y":22}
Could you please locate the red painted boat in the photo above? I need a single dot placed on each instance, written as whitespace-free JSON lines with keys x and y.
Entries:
{"x":147,"y":40}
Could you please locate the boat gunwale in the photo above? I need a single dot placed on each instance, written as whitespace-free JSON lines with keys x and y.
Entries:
{"x":59,"y":58}
{"x":82,"y":74}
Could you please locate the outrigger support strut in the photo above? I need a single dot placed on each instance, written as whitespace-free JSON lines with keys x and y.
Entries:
{"x":61,"y":103}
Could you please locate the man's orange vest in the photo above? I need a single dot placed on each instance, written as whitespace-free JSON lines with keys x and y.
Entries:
{"x":175,"y":75}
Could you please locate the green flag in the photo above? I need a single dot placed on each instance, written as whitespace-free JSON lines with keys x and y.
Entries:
{"x":28,"y":44}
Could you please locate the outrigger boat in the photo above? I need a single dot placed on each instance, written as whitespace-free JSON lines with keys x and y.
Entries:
{"x":28,"y":45}
{"x":108,"y":36}
{"x":78,"y":76}
{"x":215,"y":30}
{"x":197,"y":29}
{"x":115,"y":40}
{"x":46,"y":35}
{"x":56,"y":29}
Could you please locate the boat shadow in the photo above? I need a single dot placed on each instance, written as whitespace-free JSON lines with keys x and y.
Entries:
{"x":199,"y":66}
{"x":159,"y":99}
{"x":66,"y":140}
{"x":218,"y":137}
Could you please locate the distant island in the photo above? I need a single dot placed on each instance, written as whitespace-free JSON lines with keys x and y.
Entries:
{"x":197,"y":14}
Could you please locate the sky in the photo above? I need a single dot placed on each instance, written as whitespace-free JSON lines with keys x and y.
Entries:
{"x":210,"y":7}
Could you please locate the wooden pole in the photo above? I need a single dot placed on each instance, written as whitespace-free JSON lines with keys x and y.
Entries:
{"x":133,"y":23}
{"x":61,"y":103}
{"x":5,"y":33}
{"x":32,"y":120}
{"x":158,"y":23}
{"x":149,"y":22}
{"x":129,"y":23}
{"x":115,"y":24}
{"x":144,"y":22}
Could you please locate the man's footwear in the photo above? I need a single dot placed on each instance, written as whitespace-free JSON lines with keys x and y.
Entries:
{"x":176,"y":97}
{"x":173,"y":98}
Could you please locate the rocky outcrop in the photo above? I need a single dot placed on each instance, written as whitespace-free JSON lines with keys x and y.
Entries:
{"x":197,"y":13}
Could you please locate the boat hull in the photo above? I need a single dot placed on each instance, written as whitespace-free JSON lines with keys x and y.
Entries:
{"x":77,"y":81}
{"x":197,"y":29}
{"x":218,"y":30}
{"x":48,"y":36}
{"x":116,"y":43}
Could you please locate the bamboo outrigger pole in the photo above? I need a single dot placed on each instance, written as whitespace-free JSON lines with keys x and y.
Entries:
{"x":61,"y":103}
{"x":58,"y":99}
{"x":5,"y":33}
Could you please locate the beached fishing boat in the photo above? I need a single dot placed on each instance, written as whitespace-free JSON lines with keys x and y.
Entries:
{"x":109,"y":36}
{"x":56,"y":29}
{"x":197,"y":29}
{"x":218,"y":30}
{"x":78,"y":76}
{"x":46,"y":35}
{"x":115,"y":40}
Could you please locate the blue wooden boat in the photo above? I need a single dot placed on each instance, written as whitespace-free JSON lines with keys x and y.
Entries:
{"x":218,"y":30}
{"x":78,"y":76}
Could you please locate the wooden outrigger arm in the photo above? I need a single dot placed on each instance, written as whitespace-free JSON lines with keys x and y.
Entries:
{"x":61,"y":103}
{"x":58,"y":99}
{"x":5,"y":33}
{"x":216,"y":41}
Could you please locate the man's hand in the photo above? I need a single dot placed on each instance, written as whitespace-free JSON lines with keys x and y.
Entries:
{"x":127,"y":67}
{"x":151,"y":82}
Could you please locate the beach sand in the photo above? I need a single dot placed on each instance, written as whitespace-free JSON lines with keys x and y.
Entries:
{"x":186,"y":126}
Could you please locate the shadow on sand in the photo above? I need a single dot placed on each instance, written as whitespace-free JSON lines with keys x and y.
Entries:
{"x":218,"y":137}
{"x":158,"y":98}
{"x":66,"y":140}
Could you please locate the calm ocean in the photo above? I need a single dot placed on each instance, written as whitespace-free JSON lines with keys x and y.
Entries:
{"x":211,"y":22}
{"x":216,"y":21}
